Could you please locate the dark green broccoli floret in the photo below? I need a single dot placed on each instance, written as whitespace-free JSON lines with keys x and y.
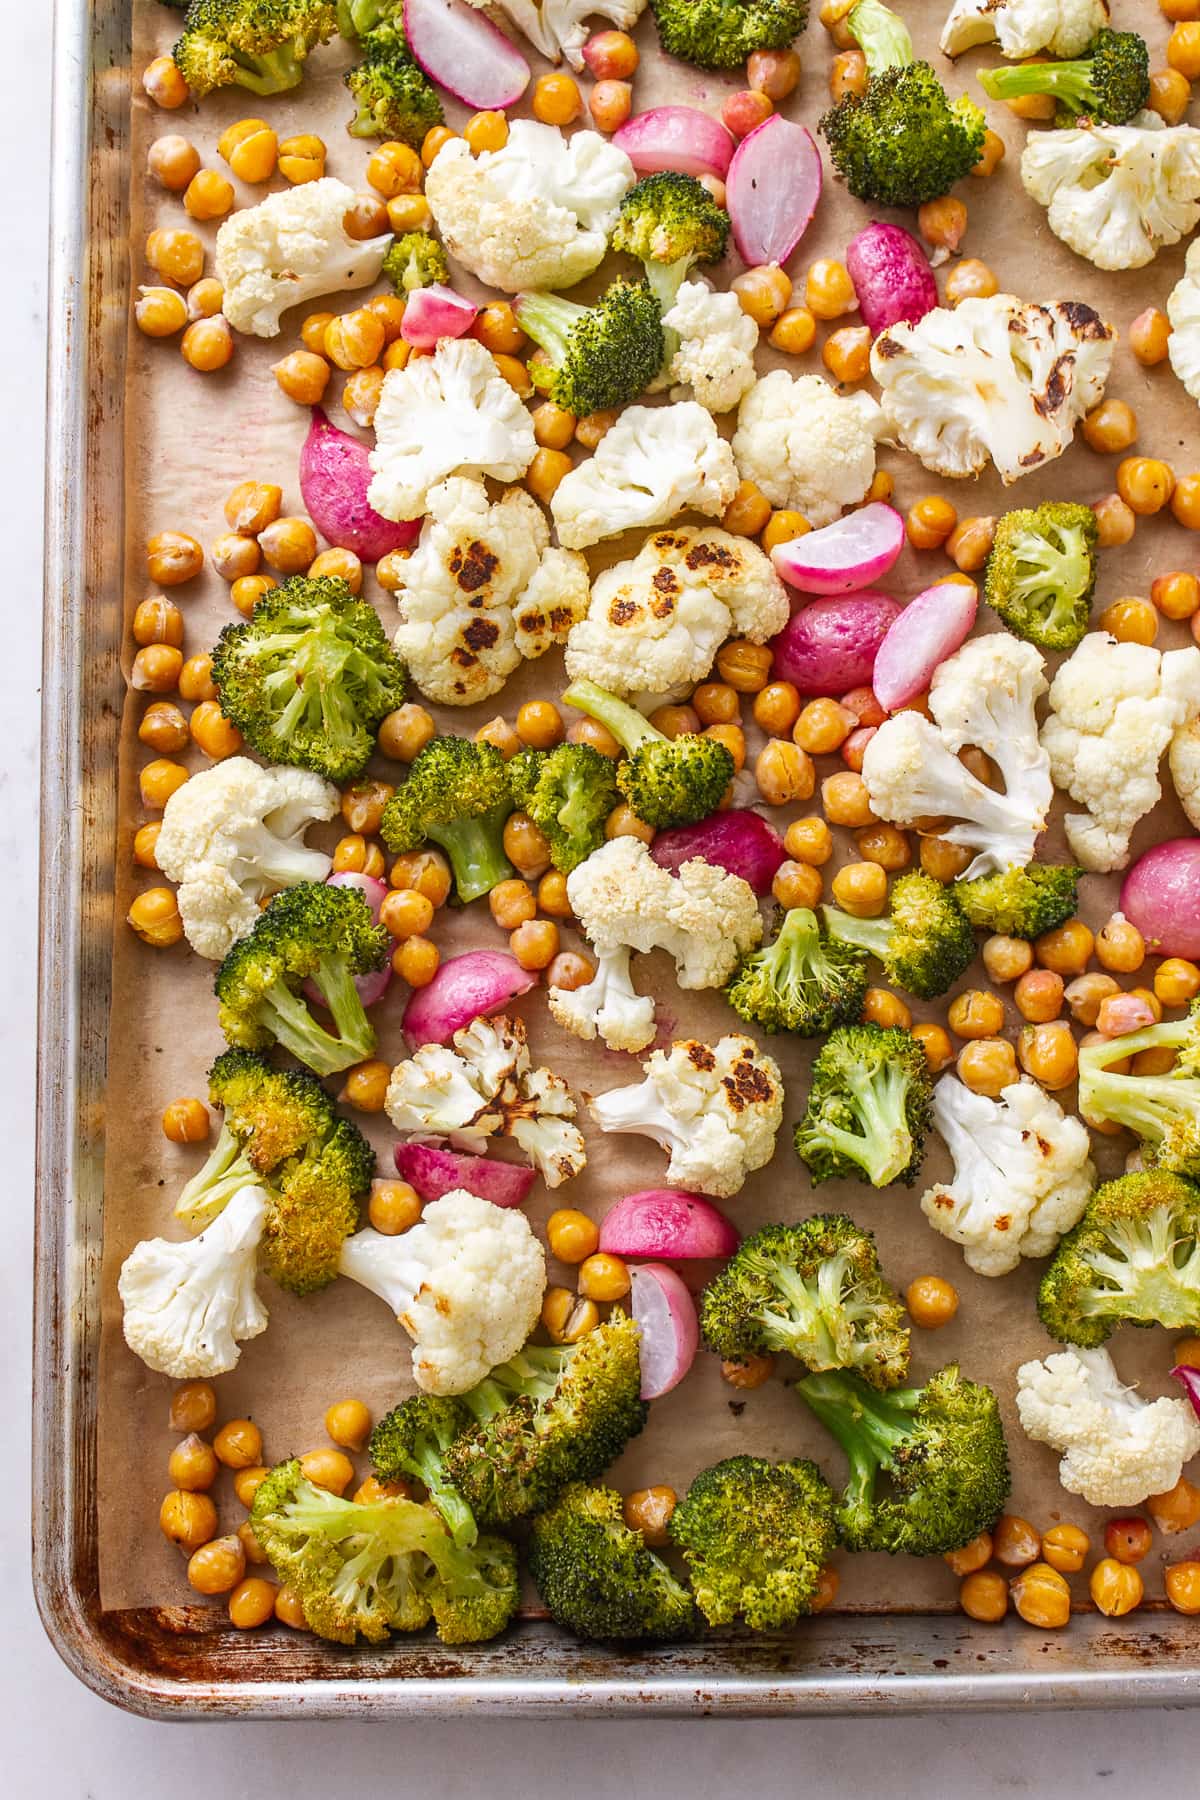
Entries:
{"x":941,"y":1444}
{"x":720,"y":34}
{"x":1162,"y":1110}
{"x":308,"y":676}
{"x":355,"y":18}
{"x":457,"y":795}
{"x":814,"y":1290}
{"x":412,"y":1440}
{"x":868,"y":1107}
{"x":924,"y":941}
{"x":568,"y":792}
{"x":598,"y":356}
{"x":597,"y":1577}
{"x":255,"y":44}
{"x":415,"y":260}
{"x":902,"y":141}
{"x":546,"y":1418}
{"x":1041,"y":573}
{"x":1133,"y":1258}
{"x":667,"y":781}
{"x":756,"y":1537}
{"x":1021,"y":902}
{"x":803,"y":982}
{"x":365,"y":1570}
{"x":1110,"y":81}
{"x":670,"y":222}
{"x":311,"y":933}
{"x":395,"y":97}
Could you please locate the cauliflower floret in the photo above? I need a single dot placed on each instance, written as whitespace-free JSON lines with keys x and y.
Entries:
{"x":481,"y":590}
{"x":608,"y":1006}
{"x":291,"y":247}
{"x":558,"y":27}
{"x":655,"y":462}
{"x":986,"y":695}
{"x":451,"y":413}
{"x":715,"y":359}
{"x":715,"y":1107}
{"x":1000,"y":379}
{"x":1183,"y":310}
{"x":189,"y":1307}
{"x":1114,"y":708}
{"x":466,"y":1283}
{"x":535,"y":213}
{"x":807,"y":446}
{"x":234,"y":834}
{"x":1023,"y":27}
{"x":1183,"y":760}
{"x":1117,"y":1448}
{"x":1116,"y":194}
{"x":655,"y":623}
{"x":1022,"y":1174}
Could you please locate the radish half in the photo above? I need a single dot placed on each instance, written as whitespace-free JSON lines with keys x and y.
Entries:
{"x":433,"y":1170}
{"x":468,"y":987}
{"x":460,"y":49}
{"x":846,"y":556}
{"x":1161,"y":896}
{"x":738,"y":841}
{"x":676,"y":137}
{"x":334,"y":477}
{"x":772,"y":189}
{"x":668,"y":1223}
{"x":931,"y":628}
{"x":666,"y":1315}
{"x":435,"y":312}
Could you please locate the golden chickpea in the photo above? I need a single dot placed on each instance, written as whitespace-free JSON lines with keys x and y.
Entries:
{"x":1179,"y":9}
{"x":553,"y":426}
{"x":885,"y":845}
{"x":288,"y":545}
{"x":303,"y":377}
{"x":1110,"y":427}
{"x":186,"y":1122}
{"x":155,"y":669}
{"x":1067,"y":949}
{"x":622,"y":821}
{"x":828,"y":289}
{"x":784,"y":773}
{"x":409,"y":212}
{"x":217,"y":1566}
{"x":845,"y":800}
{"x":939,"y":1052}
{"x":931,"y":1302}
{"x":763,"y":293}
{"x":970,"y":280}
{"x":716,"y":703}
{"x":163,"y":727}
{"x":567,"y":1317}
{"x":393,"y":169}
{"x":1007,"y":958}
{"x":193,"y":1407}
{"x":416,"y":961}
{"x":882,"y":1007}
{"x":1182,"y":1583}
{"x":749,"y":1371}
{"x":328,"y":1469}
{"x":603,"y":1277}
{"x":354,"y":856}
{"x":610,"y":104}
{"x":405,"y":913}
{"x":207,"y":344}
{"x":943,"y":222}
{"x":797,"y":884}
{"x":154,"y":916}
{"x":403,"y":734}
{"x":794,"y":332}
{"x":252,"y":1603}
{"x":187,"y":1519}
{"x":511,"y":904}
{"x":233,"y":556}
{"x":158,"y":621}
{"x":289,"y":1609}
{"x":746,"y":515}
{"x":592,"y":428}
{"x":809,"y":841}
{"x":248,"y":590}
{"x":987,"y":1066}
{"x":366,"y":1084}
{"x":1187,"y":1350}
{"x":944,"y":861}
{"x":363,"y":803}
{"x":164,"y":83}
{"x":250,"y":1544}
{"x":251,"y":149}
{"x":569,"y":971}
{"x":1115,"y":523}
{"x":970,"y":543}
{"x":648,"y":1511}
{"x":389,"y":310}
{"x":556,"y":99}
{"x":539,"y":724}
{"x":208,"y":195}
{"x":782,"y":527}
{"x":1042,"y":1597}
{"x":1015,"y":1542}
{"x":1149,"y":336}
{"x":160,"y":312}
{"x":1130,"y":620}
{"x":1065,"y":1548}
{"x":159,"y":780}
{"x":847,"y":74}
{"x":571,"y":1235}
{"x":1128,"y":1540}
{"x":337,"y":564}
{"x":425,"y":870}
{"x":976,"y":1013}
{"x":172,"y":160}
{"x":526,"y":847}
{"x":675,"y":721}
{"x":929,"y":522}
{"x":970,"y":1557}
{"x":1145,"y":483}
{"x":1177,"y":595}
{"x":1183,"y":50}
{"x":246,"y":1483}
{"x":535,"y":943}
{"x":355,"y":340}
{"x":213,"y":733}
{"x":1176,"y":981}
{"x":192,"y":1464}
{"x":394,"y":1207}
{"x":348,"y":1423}
{"x":983,"y":1596}
{"x":172,"y":557}
{"x":1116,"y":1588}
{"x":1185,"y":502}
{"x":238,"y":1444}
{"x":991,"y":156}
{"x":861,"y":889}
{"x":1120,"y":946}
{"x":1038,"y":995}
{"x":545,"y":472}
{"x":823,"y":727}
{"x":1049,"y":1053}
{"x":366,"y":217}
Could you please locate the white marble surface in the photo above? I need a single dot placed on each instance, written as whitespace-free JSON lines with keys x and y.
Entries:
{"x":60,"y":1743}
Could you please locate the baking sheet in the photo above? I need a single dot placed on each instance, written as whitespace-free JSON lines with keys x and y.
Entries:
{"x":189,"y":440}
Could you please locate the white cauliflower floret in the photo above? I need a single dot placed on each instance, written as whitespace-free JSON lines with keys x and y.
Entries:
{"x":1022,"y":1173}
{"x":451,"y":413}
{"x":653,"y":464}
{"x":986,"y":694}
{"x":486,"y":1087}
{"x":1116,"y":194}
{"x":807,"y":446}
{"x":535,"y":213}
{"x":291,"y":247}
{"x":481,"y":591}
{"x":466,"y":1283}
{"x":558,"y":27}
{"x":714,"y":360}
{"x":189,"y":1307}
{"x":234,"y":834}
{"x":1183,"y":761}
{"x":1183,"y":310}
{"x":715,"y":1107}
{"x":608,"y":1006}
{"x":1118,"y":1449}
{"x":656,"y":622}
{"x":1114,"y":708}
{"x":1023,"y":27}
{"x":1000,"y":379}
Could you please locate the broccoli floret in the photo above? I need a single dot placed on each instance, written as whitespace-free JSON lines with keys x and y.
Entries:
{"x":1041,"y":573}
{"x":415,"y":260}
{"x":1134,"y":1257}
{"x":568,"y":792}
{"x":868,"y":1107}
{"x":670,"y":222}
{"x":720,"y":34}
{"x":1109,"y":82}
{"x":597,"y":1577}
{"x":1021,"y":903}
{"x":924,"y":942}
{"x":598,"y":356}
{"x":457,"y":795}
{"x":309,"y":933}
{"x":355,"y":18}
{"x":546,"y":1418}
{"x":1162,"y":1110}
{"x":902,"y":141}
{"x":394,"y":96}
{"x":308,"y":676}
{"x":814,"y":1290}
{"x":943,"y":1447}
{"x":756,"y":1537}
{"x":412,"y":1440}
{"x":667,"y":781}
{"x":802,"y":982}
{"x":255,"y":44}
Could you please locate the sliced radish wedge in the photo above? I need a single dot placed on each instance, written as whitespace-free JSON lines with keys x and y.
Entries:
{"x":334,"y":477}
{"x":1187,"y":1376}
{"x":931,"y":628}
{"x":738,"y":841}
{"x":772,"y":189}
{"x":435,"y":312}
{"x":433,"y":1171}
{"x":666,"y":1314}
{"x":843,"y":557}
{"x":676,"y":137}
{"x":668,"y":1223}
{"x":473,"y":986}
{"x":460,"y":49}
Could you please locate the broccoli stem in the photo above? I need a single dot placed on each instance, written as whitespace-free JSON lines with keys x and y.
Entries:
{"x":336,"y":984}
{"x":286,"y":1015}
{"x":869,"y":1426}
{"x":460,"y":1520}
{"x":872,"y":935}
{"x":624,"y":721}
{"x":549,"y":320}
{"x":1069,"y":82}
{"x":476,"y":851}
{"x":274,"y":72}
{"x":882,"y":36}
{"x":534,"y":1374}
{"x":213,"y":1186}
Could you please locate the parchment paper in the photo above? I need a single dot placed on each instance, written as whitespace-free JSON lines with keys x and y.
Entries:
{"x":190,"y":439}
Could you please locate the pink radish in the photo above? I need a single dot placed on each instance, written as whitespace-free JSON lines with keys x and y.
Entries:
{"x":931,"y":628}
{"x":435,"y":312}
{"x":665,"y":1222}
{"x":676,"y":137}
{"x":772,"y":189}
{"x":334,"y":478}
{"x":845,"y":557}
{"x":433,"y":1171}
{"x":472,"y":986}
{"x":465,"y":53}
{"x":1161,"y":896}
{"x":739,"y":841}
{"x":831,"y":645}
{"x":666,"y":1314}
{"x":1189,"y":1379}
{"x":891,"y":276}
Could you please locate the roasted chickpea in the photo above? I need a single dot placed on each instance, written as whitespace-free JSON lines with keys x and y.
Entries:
{"x":1065,"y":1548}
{"x":567,"y":1317}
{"x":1048,"y":1052}
{"x":784,"y":773}
{"x":365,"y":1086}
{"x":749,"y":1371}
{"x":1145,"y":483}
{"x":288,"y":545}
{"x":213,"y":733}
{"x":186,"y":1122}
{"x":822,"y":726}
{"x":1185,"y":502}
{"x":794,"y":332}
{"x":394,"y":1207}
{"x":929,"y":522}
{"x":987,"y":1066}
{"x":233,"y":556}
{"x":187,"y":1519}
{"x":762,"y":292}
{"x":328,"y":1469}
{"x":1110,"y":427}
{"x":571,"y":1235}
{"x":248,"y":590}
{"x":1015,"y":1542}
{"x":943,"y":222}
{"x":535,"y":943}
{"x":217,"y":1566}
{"x":1183,"y":49}
{"x":1176,"y":981}
{"x":1128,"y":1540}
{"x":975,"y":1555}
{"x":1170,"y":96}
{"x":1130,"y":620}
{"x":1182,"y":1583}
{"x":603,"y":1277}
{"x":648,"y":1511}
{"x":861,"y":889}
{"x":159,"y":312}
{"x":941,"y":859}
{"x":1042,"y":1597}
{"x":610,"y":104}
{"x":1116,"y":1588}
{"x":354,"y":856}
{"x":155,"y":669}
{"x":556,"y":99}
{"x":882,"y":1007}
{"x":172,"y":557}
{"x":939,"y":1051}
{"x":545,"y":472}
{"x":970,"y":543}
{"x":348,"y":1423}
{"x":809,"y":841}
{"x":796,"y":884}
{"x":425,"y":870}
{"x":1007,"y":958}
{"x":163,"y":727}
{"x":931,"y":1302}
{"x":192,"y":1464}
{"x":991,"y":156}
{"x":1177,"y":595}
{"x":569,"y":971}
{"x":404,"y":913}
{"x":1038,"y":995}
{"x":970,"y":280}
{"x":976,"y":1014}
{"x":145,"y":845}
{"x":416,"y":961}
{"x":744,"y":666}
{"x":983,"y":1596}
{"x":744,"y":112}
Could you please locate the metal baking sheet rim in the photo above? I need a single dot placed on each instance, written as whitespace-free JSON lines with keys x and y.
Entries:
{"x":183,"y":1663}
